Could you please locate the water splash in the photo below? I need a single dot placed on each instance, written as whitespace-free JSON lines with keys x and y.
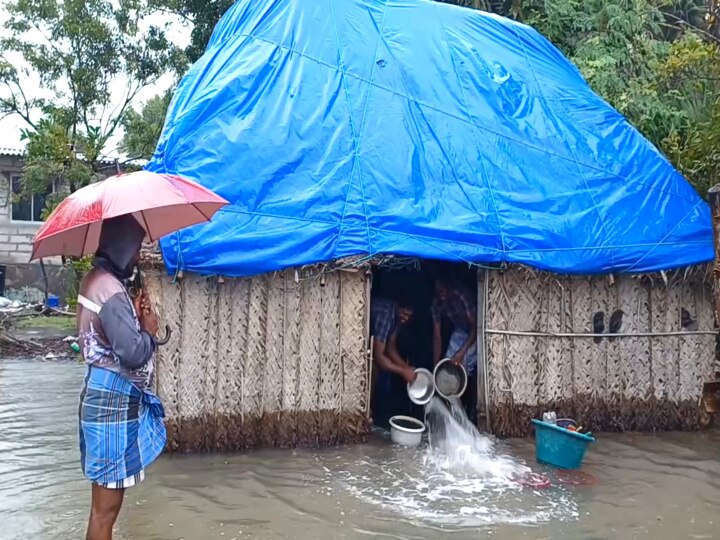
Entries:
{"x":462,"y":479}
{"x":456,"y":445}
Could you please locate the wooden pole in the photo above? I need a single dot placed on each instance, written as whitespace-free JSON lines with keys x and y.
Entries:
{"x":714,"y":199}
{"x":46,"y":283}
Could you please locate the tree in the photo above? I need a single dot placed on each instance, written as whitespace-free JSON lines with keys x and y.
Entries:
{"x":80,"y":52}
{"x":654,"y":62}
{"x":142,"y":129}
{"x":201,"y":15}
{"x":689,"y":78}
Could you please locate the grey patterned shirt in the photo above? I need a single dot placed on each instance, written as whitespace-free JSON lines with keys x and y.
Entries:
{"x":109,"y":329}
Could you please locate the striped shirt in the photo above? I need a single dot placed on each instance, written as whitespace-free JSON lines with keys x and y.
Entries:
{"x":383,"y":318}
{"x":459,"y":307}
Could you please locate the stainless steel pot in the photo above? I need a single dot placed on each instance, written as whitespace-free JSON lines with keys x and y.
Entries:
{"x":422,"y":389}
{"x":450,"y":380}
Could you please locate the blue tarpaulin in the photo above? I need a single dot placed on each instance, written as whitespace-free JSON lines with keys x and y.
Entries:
{"x":345,"y":127}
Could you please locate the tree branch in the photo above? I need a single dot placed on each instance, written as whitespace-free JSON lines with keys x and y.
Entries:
{"x":26,"y":104}
{"x":183,"y":16}
{"x":683,"y":22}
{"x":13,"y":106}
{"x":13,"y":109}
{"x":132,"y":94}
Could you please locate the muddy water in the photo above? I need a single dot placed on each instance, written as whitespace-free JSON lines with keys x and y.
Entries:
{"x":654,"y":487}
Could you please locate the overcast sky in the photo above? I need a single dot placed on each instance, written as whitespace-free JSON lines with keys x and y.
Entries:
{"x":10,"y":127}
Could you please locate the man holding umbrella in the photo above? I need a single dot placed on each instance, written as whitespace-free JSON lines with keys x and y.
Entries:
{"x":121,"y":426}
{"x":121,"y":419}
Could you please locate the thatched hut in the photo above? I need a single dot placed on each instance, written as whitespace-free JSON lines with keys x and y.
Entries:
{"x":544,"y":351}
{"x":421,"y":129}
{"x":283,"y":359}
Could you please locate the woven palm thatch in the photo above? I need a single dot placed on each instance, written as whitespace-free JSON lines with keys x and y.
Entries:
{"x":273,"y":360}
{"x":281,"y":359}
{"x":628,"y":382}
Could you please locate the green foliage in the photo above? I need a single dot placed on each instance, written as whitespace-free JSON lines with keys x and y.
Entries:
{"x":142,"y":129}
{"x":201,"y":15}
{"x":654,"y":62}
{"x":51,"y":203}
{"x":76,"y":270}
{"x":689,"y":81}
{"x":81,"y":52}
{"x":51,"y":153}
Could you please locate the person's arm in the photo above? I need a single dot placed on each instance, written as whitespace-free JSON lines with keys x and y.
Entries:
{"x":385,"y":363}
{"x":392,"y":351}
{"x":133,"y":347}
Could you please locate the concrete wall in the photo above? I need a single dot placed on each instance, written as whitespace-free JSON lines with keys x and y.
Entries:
{"x":25,"y":282}
{"x":16,"y":244}
{"x":15,"y":237}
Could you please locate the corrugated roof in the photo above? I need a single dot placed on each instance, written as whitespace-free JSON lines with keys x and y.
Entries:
{"x":14,"y":152}
{"x":20,"y":152}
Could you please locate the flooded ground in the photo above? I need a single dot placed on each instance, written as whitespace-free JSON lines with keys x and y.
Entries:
{"x":659,"y":487}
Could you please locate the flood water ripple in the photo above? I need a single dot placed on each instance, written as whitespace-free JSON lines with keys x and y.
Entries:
{"x":663,"y":486}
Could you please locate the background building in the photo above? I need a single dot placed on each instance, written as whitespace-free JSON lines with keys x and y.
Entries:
{"x":19,"y":221}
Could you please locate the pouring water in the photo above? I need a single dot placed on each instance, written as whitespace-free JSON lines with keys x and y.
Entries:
{"x":455,"y":444}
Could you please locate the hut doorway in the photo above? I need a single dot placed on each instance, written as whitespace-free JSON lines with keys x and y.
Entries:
{"x":411,"y":284}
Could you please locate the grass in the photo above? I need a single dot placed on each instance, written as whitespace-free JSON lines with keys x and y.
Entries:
{"x":61,"y":324}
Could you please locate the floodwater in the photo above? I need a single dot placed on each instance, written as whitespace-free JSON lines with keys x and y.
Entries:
{"x":654,"y":487}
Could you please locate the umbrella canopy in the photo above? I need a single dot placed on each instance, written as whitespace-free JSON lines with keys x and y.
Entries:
{"x":161,"y":203}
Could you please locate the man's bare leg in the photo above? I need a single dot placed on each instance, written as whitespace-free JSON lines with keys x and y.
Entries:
{"x":106,"y":504}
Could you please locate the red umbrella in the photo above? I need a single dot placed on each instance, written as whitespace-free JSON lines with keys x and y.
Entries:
{"x":161,"y":203}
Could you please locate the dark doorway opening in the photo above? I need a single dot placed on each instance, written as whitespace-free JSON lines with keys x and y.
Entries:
{"x":413,"y":282}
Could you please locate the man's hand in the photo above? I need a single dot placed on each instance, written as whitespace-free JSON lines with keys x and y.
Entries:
{"x":409,"y":375}
{"x":458,"y":359}
{"x":148,"y":318}
{"x":137,"y":304}
{"x":149,"y":323}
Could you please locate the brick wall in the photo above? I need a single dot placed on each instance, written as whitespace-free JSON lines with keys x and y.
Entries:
{"x":16,"y":240}
{"x":15,"y":236}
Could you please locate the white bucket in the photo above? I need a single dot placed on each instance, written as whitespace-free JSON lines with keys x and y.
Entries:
{"x":406,"y":430}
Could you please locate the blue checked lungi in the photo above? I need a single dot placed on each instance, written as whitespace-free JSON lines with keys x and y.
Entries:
{"x":121,"y":429}
{"x":457,"y":340}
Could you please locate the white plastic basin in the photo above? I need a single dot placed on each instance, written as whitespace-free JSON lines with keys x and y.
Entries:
{"x":406,"y":430}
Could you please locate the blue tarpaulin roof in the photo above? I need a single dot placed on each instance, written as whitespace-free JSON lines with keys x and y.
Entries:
{"x":345,"y":127}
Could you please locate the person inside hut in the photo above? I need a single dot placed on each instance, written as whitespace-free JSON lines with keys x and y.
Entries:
{"x":455,"y":304}
{"x":386,"y":317}
{"x":121,"y":420}
{"x":389,"y":396}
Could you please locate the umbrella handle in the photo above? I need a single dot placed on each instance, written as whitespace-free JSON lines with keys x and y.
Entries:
{"x":168,"y":333}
